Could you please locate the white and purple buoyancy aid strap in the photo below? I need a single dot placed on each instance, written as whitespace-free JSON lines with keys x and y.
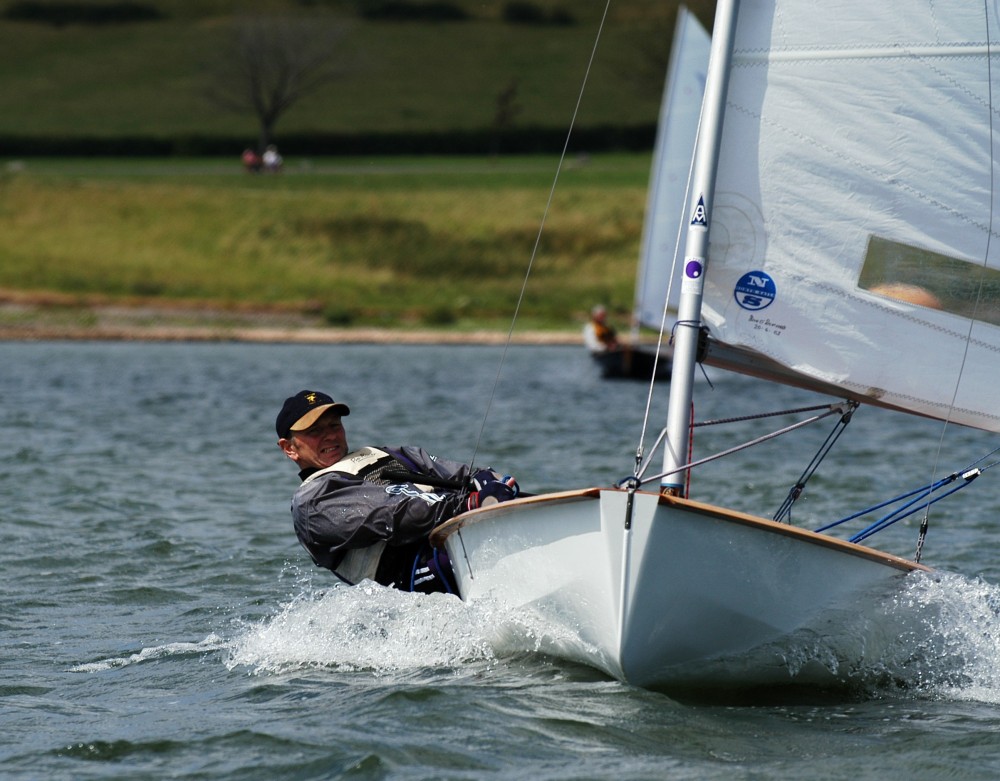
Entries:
{"x":359,"y":463}
{"x":369,"y":464}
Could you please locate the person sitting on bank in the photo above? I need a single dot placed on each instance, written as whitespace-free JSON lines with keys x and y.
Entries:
{"x":598,"y":336}
{"x":251,"y":160}
{"x":367,"y":514}
{"x":272,"y":160}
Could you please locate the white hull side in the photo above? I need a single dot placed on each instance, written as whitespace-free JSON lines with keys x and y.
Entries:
{"x":691,"y":595}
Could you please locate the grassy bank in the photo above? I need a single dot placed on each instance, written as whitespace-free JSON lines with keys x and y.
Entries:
{"x":387,"y":242}
{"x":151,"y":78}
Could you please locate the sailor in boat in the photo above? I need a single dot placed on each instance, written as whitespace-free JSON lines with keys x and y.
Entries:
{"x":366,"y":514}
{"x":598,"y":335}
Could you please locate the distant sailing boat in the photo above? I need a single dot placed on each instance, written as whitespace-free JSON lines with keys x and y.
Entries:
{"x":664,"y":228}
{"x":841,"y":238}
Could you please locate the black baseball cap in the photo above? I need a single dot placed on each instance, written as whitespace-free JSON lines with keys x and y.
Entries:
{"x":303,"y":409}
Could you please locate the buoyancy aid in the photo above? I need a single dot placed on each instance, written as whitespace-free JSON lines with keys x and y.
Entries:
{"x":413,"y":567}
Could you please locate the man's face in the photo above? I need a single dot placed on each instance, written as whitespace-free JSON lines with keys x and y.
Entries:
{"x":322,"y":444}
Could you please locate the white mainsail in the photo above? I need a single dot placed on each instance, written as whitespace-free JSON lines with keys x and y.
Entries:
{"x":852,"y":236}
{"x":676,"y":132}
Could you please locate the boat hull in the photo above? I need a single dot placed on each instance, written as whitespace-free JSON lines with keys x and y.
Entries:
{"x":633,"y":362}
{"x":687,"y":596}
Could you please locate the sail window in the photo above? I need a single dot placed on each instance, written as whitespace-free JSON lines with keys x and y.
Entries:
{"x":903,"y":272}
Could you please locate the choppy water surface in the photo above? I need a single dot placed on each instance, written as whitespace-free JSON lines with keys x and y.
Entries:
{"x":160,"y":621}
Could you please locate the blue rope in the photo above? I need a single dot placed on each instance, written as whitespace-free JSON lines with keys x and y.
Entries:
{"x":906,"y":510}
{"x":926,"y":489}
{"x":899,"y":514}
{"x":413,"y":571}
{"x":436,"y":569}
{"x":441,"y":573}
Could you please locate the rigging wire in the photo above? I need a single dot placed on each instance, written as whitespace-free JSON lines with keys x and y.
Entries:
{"x":925,"y":522}
{"x":784,"y":513}
{"x":681,"y":232}
{"x":737,"y":419}
{"x":538,"y":236}
{"x":831,"y":409}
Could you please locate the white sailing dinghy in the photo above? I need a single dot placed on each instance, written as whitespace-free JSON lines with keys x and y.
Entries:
{"x":663,"y":227}
{"x":842,"y":239}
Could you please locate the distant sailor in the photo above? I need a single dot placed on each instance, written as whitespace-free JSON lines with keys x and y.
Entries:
{"x":598,"y":336}
{"x":367,"y":514}
{"x":912,"y":294}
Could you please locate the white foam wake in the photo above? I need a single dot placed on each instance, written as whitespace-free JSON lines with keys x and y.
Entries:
{"x":211,"y":643}
{"x":367,"y":627}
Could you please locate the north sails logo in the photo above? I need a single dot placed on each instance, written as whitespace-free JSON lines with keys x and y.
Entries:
{"x":755,"y":290}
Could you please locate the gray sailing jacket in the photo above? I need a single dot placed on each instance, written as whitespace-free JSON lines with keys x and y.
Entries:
{"x":350,"y":514}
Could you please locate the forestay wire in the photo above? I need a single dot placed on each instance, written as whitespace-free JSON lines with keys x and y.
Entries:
{"x":541,"y":228}
{"x":640,"y":448}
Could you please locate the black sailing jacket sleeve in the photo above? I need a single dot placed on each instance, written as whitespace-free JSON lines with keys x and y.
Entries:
{"x":335,"y":512}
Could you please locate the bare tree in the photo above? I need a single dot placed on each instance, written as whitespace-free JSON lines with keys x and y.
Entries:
{"x":271,"y":63}
{"x":507,"y":109}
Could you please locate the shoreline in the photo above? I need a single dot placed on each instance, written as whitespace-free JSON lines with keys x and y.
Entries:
{"x":303,"y":335}
{"x":56,"y":317}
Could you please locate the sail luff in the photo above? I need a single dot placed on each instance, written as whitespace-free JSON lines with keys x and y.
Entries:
{"x":683,"y":89}
{"x":706,"y":158}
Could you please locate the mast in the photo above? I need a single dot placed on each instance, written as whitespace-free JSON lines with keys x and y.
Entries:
{"x":696,"y":248}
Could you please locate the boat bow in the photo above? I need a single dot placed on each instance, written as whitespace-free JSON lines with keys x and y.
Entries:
{"x":662,"y":592}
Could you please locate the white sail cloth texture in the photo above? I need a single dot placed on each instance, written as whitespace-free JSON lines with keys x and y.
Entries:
{"x":852,"y":237}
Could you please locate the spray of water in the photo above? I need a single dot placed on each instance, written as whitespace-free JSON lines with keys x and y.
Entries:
{"x":940,"y":638}
{"x":953,"y":648}
{"x":369,"y":628}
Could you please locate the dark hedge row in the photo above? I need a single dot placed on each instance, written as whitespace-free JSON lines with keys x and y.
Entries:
{"x":514,"y":12}
{"x":399,"y":10}
{"x":513,"y":141}
{"x":528,"y":13}
{"x":59,"y":14}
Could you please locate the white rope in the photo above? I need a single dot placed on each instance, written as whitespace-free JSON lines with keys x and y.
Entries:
{"x":541,"y":227}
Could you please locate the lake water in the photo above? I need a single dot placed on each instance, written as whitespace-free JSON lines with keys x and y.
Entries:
{"x":160,"y":620}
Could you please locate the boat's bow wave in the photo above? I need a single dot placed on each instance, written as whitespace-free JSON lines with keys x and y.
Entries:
{"x":938,"y":637}
{"x":371,"y":628}
{"x":954,"y":652}
{"x":210,"y":644}
{"x":944,"y":640}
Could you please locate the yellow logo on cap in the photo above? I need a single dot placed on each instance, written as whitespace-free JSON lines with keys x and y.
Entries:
{"x":311,"y":398}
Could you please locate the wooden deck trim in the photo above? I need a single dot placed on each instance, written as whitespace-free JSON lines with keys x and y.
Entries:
{"x":449,"y":527}
{"x":452,"y":525}
{"x":788,"y":530}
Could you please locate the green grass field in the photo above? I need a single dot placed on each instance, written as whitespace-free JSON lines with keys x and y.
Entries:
{"x":389,"y":242}
{"x":151,"y":78}
{"x":385,"y":242}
